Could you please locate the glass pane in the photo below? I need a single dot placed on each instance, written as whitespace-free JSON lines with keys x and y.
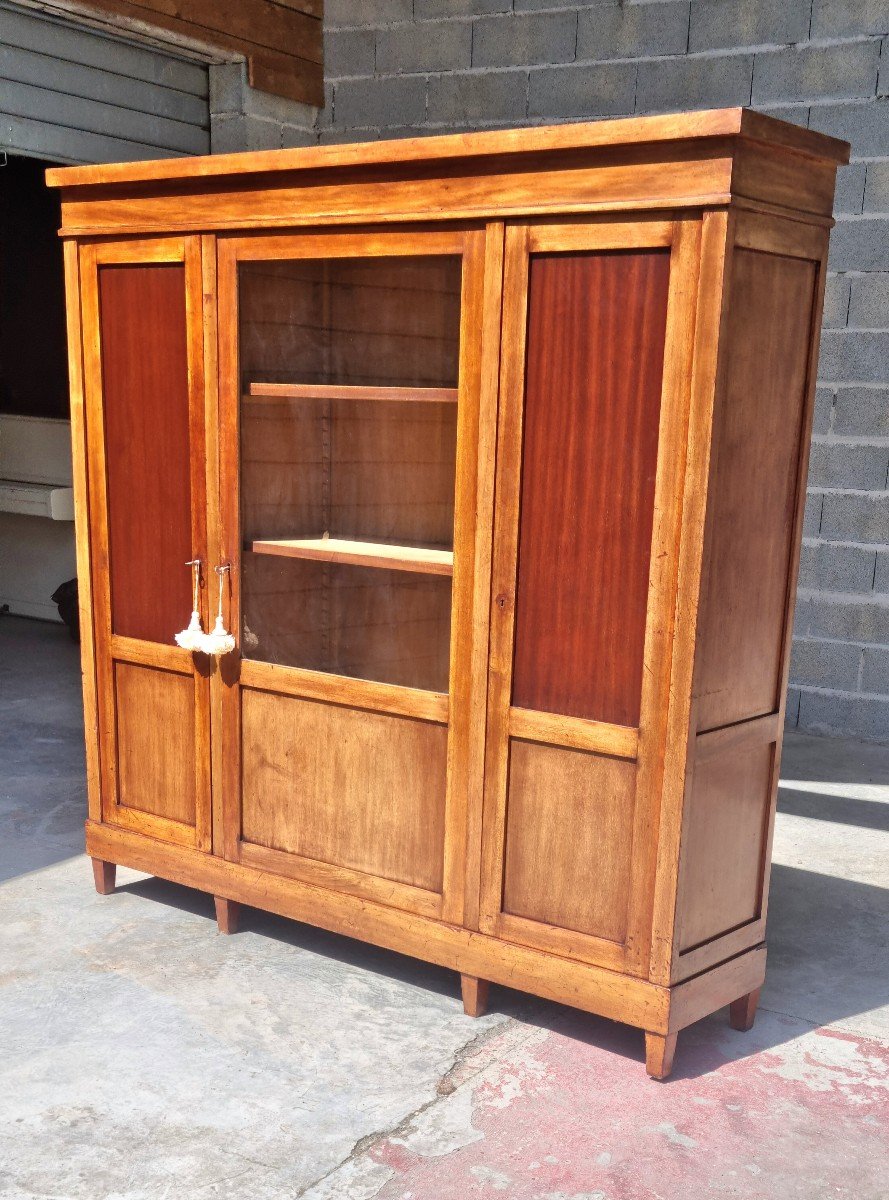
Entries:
{"x":348,"y":450}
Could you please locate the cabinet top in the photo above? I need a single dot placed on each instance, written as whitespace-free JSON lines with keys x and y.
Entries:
{"x":590,"y":135}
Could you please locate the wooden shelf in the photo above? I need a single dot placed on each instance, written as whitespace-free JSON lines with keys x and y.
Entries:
{"x":420,"y":559}
{"x":327,"y":391}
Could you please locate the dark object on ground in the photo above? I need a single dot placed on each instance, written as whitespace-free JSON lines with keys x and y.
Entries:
{"x":65,"y":596}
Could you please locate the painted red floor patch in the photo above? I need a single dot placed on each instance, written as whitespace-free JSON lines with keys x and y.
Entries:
{"x":780,"y":1113}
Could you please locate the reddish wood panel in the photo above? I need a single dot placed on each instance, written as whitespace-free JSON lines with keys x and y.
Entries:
{"x":147,"y":446}
{"x":756,"y":446}
{"x":596,"y":329}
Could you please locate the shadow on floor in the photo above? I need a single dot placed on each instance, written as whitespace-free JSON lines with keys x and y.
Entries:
{"x":823,"y":931}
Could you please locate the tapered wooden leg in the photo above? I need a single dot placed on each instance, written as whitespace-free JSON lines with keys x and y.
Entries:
{"x":228,"y":914}
{"x":659,"y":1051}
{"x":742,"y":1012}
{"x":475,"y":995}
{"x":104,"y":873}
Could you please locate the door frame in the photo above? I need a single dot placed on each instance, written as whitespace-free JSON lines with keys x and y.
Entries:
{"x":644,"y":745}
{"x":111,"y":648}
{"x":462,"y":708}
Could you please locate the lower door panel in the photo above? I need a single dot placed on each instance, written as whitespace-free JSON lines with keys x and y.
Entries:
{"x":344,"y":788}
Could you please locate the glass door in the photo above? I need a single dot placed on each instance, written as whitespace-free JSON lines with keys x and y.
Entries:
{"x":348,"y":532}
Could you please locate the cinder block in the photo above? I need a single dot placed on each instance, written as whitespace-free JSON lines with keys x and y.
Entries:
{"x":875,"y":676}
{"x":869,"y":301}
{"x":618,"y":30}
{"x":876,"y":192}
{"x":336,"y":137}
{"x":584,"y":90}
{"x":848,"y":18}
{"x":839,"y":465}
{"x":685,"y":83}
{"x":478,"y":98}
{"x":830,"y":568}
{"x":855,"y":518}
{"x":849,"y":196}
{"x":881,"y":575}
{"x":730,"y":24}
{"x":866,"y":126}
{"x":524,"y":39}
{"x":863,"y":412}
{"x":854,"y":356}
{"x":344,"y":13}
{"x":812,"y":514}
{"x":436,"y":46}
{"x":390,"y":100}
{"x":231,"y":134}
{"x":424,"y":9}
{"x":856,"y":619}
{"x":845,"y":71}
{"x":836,"y":301}
{"x":823,"y":409}
{"x":864,"y":717}
{"x":348,"y":52}
{"x":825,"y":664}
{"x":324,"y":116}
{"x":791,"y":708}
{"x":227,"y":84}
{"x":538,"y":5}
{"x":296,"y":135}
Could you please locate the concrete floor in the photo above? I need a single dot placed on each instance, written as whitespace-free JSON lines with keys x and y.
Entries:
{"x":145,"y":1057}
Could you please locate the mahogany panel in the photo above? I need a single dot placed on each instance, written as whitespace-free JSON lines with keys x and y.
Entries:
{"x":753,"y":488}
{"x":343,"y":786}
{"x":155,"y":714}
{"x":723,"y":844}
{"x":569,"y":834}
{"x":596,"y":330}
{"x":147,"y":446}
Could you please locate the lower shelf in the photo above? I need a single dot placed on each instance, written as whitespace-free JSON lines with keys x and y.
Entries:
{"x":424,"y":560}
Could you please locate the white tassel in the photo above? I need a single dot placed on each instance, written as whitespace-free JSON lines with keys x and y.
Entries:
{"x":192,"y":638}
{"x":219,"y":641}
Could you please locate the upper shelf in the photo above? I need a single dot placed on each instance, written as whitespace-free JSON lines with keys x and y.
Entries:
{"x":329,"y":391}
{"x":424,"y":560}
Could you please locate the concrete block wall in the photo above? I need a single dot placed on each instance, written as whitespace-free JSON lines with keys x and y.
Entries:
{"x":397,"y":68}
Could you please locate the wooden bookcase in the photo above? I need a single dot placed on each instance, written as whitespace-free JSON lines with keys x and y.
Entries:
{"x":502,"y":439}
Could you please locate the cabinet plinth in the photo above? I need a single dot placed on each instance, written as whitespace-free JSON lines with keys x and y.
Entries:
{"x":473,"y":474}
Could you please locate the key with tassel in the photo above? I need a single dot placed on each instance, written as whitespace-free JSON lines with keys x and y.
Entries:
{"x":219,"y":641}
{"x":191,"y":638}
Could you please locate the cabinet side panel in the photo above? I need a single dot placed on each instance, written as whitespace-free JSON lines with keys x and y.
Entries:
{"x":753,"y":488}
{"x":723,"y":857}
{"x":146,"y":411}
{"x":596,"y":330}
{"x":354,"y":789}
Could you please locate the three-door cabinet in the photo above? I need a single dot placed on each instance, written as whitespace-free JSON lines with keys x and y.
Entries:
{"x":480,"y":463}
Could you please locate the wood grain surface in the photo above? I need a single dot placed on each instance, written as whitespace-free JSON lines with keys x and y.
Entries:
{"x":596,"y":326}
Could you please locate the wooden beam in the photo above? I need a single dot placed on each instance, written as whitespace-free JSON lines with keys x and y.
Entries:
{"x":280,"y":39}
